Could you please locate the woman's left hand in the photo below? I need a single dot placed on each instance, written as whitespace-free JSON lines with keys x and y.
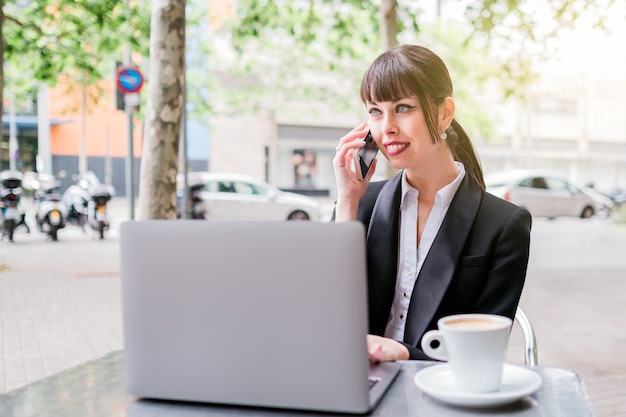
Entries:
{"x":383,"y":349}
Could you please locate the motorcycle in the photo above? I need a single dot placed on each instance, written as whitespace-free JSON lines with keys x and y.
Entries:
{"x":97,"y":215}
{"x":12,"y":215}
{"x":50,"y":211}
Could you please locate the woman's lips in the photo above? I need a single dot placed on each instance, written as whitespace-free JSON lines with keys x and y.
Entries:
{"x":395,"y":148}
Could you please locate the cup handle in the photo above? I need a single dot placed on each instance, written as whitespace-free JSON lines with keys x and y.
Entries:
{"x":438,"y":352}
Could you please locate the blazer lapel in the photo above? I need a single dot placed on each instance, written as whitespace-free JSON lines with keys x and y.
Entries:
{"x":441,"y":261}
{"x":382,"y":254}
{"x":385,"y":213}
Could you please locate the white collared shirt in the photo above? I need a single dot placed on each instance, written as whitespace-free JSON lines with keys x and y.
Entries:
{"x":410,"y":260}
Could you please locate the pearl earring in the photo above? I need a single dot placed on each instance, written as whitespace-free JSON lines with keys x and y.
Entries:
{"x":443,"y":135}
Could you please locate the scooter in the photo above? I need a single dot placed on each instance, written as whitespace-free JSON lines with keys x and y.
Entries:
{"x":50,"y":211}
{"x":11,"y":213}
{"x":196,"y":204}
{"x":76,"y":199}
{"x":97,"y":215}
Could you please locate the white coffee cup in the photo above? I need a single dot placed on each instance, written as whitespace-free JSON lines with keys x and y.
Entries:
{"x":474,"y":345}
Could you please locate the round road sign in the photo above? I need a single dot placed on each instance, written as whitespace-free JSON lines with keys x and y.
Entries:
{"x":129,"y":80}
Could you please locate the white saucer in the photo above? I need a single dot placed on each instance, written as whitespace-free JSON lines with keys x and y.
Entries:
{"x":517,"y":382}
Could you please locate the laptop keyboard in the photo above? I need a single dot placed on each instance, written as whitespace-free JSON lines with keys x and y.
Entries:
{"x":373,"y":380}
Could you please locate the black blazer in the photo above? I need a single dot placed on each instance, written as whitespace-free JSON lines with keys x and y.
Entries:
{"x":477,"y":262}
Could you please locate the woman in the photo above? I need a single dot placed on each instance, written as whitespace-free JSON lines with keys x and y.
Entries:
{"x":437,"y":244}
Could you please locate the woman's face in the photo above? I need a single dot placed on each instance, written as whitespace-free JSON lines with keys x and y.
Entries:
{"x":400,"y":131}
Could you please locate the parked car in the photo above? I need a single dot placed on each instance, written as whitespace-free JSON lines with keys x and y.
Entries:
{"x":605,"y":202}
{"x":546,"y":194}
{"x":239,"y":197}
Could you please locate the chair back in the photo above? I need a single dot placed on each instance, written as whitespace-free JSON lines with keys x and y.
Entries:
{"x":530,"y":340}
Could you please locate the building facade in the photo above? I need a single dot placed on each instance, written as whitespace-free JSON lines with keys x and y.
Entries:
{"x":53,"y":135}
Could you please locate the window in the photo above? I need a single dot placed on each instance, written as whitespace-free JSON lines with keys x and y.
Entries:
{"x":243,"y":188}
{"x":539,"y":182}
{"x":305,"y":167}
{"x":557,"y":184}
{"x":210,"y":186}
{"x":219,"y":187}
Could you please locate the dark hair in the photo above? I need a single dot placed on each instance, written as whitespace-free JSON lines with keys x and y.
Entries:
{"x":414,"y":71}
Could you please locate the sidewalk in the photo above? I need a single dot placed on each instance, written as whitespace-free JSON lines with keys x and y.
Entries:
{"x":59,"y":303}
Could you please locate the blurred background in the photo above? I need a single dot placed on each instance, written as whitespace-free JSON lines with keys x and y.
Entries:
{"x":271,"y":86}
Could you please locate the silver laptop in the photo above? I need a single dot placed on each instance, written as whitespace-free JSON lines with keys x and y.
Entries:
{"x":270,"y":314}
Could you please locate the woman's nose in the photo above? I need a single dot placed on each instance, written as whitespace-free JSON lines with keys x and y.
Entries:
{"x":389,"y":126}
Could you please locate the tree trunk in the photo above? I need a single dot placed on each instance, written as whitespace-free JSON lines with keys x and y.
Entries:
{"x":159,"y":162}
{"x":389,"y":36}
{"x":388,"y":23}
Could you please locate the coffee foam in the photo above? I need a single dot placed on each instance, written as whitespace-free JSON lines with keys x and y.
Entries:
{"x":474,"y":323}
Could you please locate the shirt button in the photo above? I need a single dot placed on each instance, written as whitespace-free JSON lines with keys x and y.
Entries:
{"x":405,"y":294}
{"x":402,"y":316}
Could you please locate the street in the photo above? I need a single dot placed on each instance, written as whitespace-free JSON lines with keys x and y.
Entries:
{"x":60,"y":303}
{"x":574,"y":296}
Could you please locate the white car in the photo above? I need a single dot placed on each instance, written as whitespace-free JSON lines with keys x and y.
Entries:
{"x":239,"y":197}
{"x":545,"y":194}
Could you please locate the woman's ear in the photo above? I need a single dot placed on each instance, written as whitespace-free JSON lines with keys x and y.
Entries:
{"x":446,"y":113}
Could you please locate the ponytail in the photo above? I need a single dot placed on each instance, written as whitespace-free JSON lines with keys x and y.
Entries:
{"x":463,"y":151}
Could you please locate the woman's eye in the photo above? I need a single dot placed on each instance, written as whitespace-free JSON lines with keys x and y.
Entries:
{"x":403,"y":108}
{"x":374,"y":112}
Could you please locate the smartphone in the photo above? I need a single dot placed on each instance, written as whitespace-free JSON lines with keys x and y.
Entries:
{"x":365,"y":156}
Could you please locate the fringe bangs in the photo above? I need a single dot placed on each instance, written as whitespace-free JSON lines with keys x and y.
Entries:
{"x":389,"y":79}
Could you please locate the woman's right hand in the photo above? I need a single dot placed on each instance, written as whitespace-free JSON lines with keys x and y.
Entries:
{"x":350,"y":188}
{"x":383,"y":349}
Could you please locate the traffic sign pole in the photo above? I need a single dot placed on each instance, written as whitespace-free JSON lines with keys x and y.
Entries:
{"x":130,"y":161}
{"x":130,"y":81}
